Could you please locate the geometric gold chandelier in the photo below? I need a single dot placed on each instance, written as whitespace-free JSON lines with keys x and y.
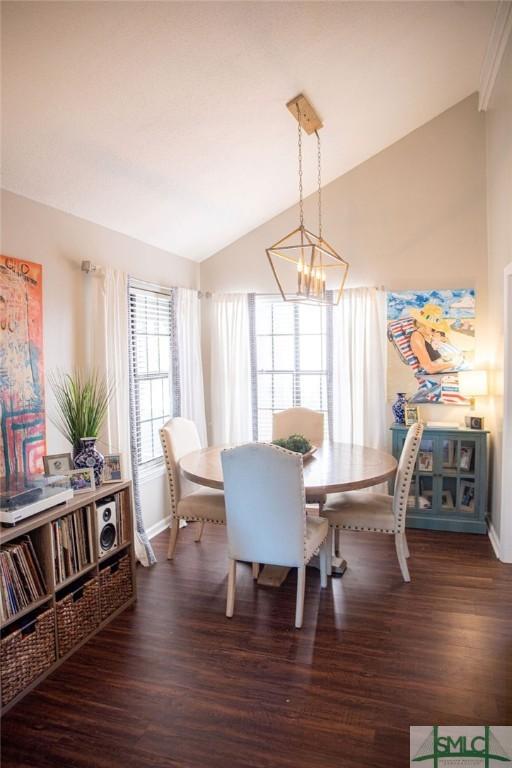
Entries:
{"x":306,"y":268}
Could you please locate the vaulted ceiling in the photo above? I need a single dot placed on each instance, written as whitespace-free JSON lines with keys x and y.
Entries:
{"x":166,"y":120}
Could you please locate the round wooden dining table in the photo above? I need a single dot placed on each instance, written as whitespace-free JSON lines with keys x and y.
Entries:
{"x":334,"y":467}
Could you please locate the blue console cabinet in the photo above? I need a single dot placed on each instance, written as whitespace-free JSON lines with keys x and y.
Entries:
{"x":449,"y":485}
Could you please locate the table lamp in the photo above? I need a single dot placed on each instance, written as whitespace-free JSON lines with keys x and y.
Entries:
{"x":473,"y":384}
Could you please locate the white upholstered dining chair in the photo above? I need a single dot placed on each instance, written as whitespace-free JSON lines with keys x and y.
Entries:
{"x":379,"y":512}
{"x":298,"y":421}
{"x":188,"y":501}
{"x":266,"y":515}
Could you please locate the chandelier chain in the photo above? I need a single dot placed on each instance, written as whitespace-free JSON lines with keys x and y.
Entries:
{"x":301,"y":204}
{"x":319,"y":160}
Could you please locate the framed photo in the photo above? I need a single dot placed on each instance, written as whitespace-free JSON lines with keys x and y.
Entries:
{"x":81,"y":480}
{"x":112,"y":472}
{"x":447,"y":500}
{"x":475,"y":422}
{"x":425,"y":461}
{"x":412,"y":415}
{"x":467,"y":496}
{"x":466,"y":455}
{"x":427,"y":499}
{"x":58,"y":464}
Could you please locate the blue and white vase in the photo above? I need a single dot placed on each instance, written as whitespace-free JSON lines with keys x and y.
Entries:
{"x":398,"y":408}
{"x":90,"y":458}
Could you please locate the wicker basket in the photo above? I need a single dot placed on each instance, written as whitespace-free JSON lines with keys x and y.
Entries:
{"x":78,"y":614}
{"x":26,"y":653}
{"x":115,"y":585}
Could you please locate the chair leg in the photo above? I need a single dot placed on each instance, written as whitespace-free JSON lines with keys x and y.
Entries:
{"x":323,"y":561}
{"x":201,"y":529}
{"x":400,"y":551}
{"x":173,"y":537}
{"x":406,"y":546}
{"x":230,"y":603}
{"x":255,"y":570}
{"x":301,"y":588}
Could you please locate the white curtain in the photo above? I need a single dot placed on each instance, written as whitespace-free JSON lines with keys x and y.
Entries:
{"x":114,"y":321}
{"x":230,"y":369}
{"x":359,"y":368}
{"x":110,"y":345}
{"x":188,"y":330}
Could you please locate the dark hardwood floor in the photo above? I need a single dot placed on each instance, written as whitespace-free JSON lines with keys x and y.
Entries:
{"x":172,"y":682}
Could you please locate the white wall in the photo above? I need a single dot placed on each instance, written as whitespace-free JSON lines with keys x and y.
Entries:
{"x":499,"y":222}
{"x":60,"y":241}
{"x":412,"y":217}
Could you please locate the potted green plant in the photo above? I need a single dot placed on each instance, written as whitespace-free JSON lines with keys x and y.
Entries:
{"x":295,"y":443}
{"x":82,"y":403}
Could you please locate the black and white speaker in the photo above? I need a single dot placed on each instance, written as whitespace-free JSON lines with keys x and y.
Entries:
{"x":107,"y":525}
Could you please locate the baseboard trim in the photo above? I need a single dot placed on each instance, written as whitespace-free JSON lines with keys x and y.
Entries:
{"x":493,"y":536}
{"x":162,"y":525}
{"x":158,"y":527}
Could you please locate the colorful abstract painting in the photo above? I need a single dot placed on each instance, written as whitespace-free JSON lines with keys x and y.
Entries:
{"x":432,"y":338}
{"x":22,"y":413}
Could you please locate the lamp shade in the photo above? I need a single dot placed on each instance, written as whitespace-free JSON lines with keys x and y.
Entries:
{"x":473,"y":383}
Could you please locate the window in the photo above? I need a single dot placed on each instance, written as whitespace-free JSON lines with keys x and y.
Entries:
{"x":290,"y":359}
{"x":151,"y":326}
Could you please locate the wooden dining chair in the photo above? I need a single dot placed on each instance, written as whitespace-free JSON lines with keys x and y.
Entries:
{"x":379,"y":512}
{"x":298,"y":421}
{"x":266,"y":515}
{"x":188,"y":501}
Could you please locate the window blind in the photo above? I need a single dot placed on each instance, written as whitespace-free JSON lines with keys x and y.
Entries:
{"x":152,"y":359}
{"x":290,"y":359}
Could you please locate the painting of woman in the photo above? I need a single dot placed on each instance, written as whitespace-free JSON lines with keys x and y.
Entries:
{"x":429,"y":336}
{"x":433,"y":334}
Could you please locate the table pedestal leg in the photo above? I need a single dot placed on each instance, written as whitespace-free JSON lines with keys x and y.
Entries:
{"x":273,"y":575}
{"x":338,"y":564}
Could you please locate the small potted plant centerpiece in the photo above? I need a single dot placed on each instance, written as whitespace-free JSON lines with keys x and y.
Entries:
{"x":82,"y":402}
{"x":297,"y":444}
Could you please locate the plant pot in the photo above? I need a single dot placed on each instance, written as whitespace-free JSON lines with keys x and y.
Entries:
{"x":90,"y":458}
{"x":398,"y":408}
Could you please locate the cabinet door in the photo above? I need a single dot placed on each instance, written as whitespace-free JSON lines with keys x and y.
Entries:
{"x":437,"y":471}
{"x":427,"y":490}
{"x":398,"y":446}
{"x":468,"y":461}
{"x":456,"y":476}
{"x":447,"y":474}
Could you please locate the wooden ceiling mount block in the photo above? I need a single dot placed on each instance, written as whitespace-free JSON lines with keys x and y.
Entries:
{"x":309,"y":119}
